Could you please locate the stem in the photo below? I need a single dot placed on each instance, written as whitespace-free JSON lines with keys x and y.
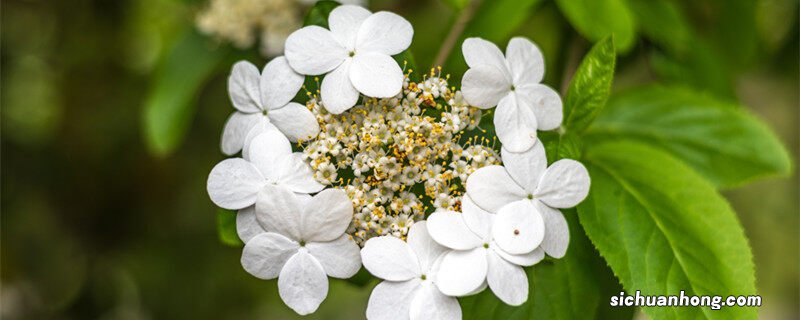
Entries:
{"x":455,"y":32}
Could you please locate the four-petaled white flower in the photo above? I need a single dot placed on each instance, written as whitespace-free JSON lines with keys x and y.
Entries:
{"x":512,"y":83}
{"x":409,"y":270}
{"x":265,"y":98}
{"x":235,"y":183}
{"x":355,"y":53}
{"x":487,"y":249}
{"x":527,"y":185}
{"x":304,"y":243}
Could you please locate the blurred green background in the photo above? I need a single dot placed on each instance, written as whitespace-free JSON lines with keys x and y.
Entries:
{"x":101,"y":220}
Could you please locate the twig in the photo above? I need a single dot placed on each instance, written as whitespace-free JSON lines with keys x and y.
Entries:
{"x":455,"y":32}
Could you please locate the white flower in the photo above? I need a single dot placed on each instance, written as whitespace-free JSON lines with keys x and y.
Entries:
{"x":355,"y":53}
{"x":410,"y":273}
{"x":304,"y":241}
{"x":265,"y":98}
{"x":487,"y":249}
{"x":235,"y":183}
{"x":528,"y":185}
{"x":512,"y":84}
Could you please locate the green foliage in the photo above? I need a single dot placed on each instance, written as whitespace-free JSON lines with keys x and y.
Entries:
{"x":318,"y":15}
{"x":589,"y":89}
{"x":597,"y":19}
{"x":723,"y":142}
{"x":576,"y":286}
{"x":456,"y":4}
{"x":493,"y":20}
{"x":662,"y":22}
{"x":663,"y":228}
{"x":169,"y":106}
{"x":226,"y":228}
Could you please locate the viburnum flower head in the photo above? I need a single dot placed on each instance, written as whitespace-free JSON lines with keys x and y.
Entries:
{"x":265,"y":99}
{"x":409,"y":270}
{"x":512,"y":83}
{"x":526,"y":184}
{"x":235,"y":183}
{"x":487,"y":249}
{"x":355,"y":53}
{"x":304,"y":242}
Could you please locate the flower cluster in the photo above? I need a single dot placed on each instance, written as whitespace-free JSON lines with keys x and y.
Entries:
{"x":402,"y":156}
{"x":244,"y":22}
{"x":415,"y":190}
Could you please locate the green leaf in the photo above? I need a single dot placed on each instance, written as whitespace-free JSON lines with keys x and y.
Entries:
{"x":723,"y":142}
{"x":576,"y":286}
{"x":589,"y":89}
{"x":663,"y":228}
{"x":226,"y":228}
{"x":662,"y":22}
{"x":701,"y":67}
{"x":169,"y":106}
{"x":318,"y":14}
{"x":597,"y":19}
{"x":407,"y":62}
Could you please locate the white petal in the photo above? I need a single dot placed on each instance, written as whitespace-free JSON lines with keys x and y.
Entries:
{"x":484,"y":86}
{"x":556,"y":231}
{"x":518,"y":227}
{"x":526,"y":168}
{"x":302,"y":283}
{"x":247,"y":225}
{"x":449,"y":229}
{"x":431,"y":304}
{"x":236,"y":129}
{"x":279,"y":83}
{"x":344,"y":21}
{"x":462,"y":272}
{"x":261,"y":126}
{"x":295,"y":121}
{"x":376,"y":75}
{"x":338,"y":93}
{"x":326,"y":216}
{"x":266,"y":151}
{"x":390,"y":258}
{"x":547,"y":105}
{"x":297,"y":175}
{"x":384,"y":32}
{"x":234,"y":183}
{"x":491,"y":188}
{"x":423,"y":245}
{"x":265,"y":254}
{"x":478,"y":220}
{"x":525,"y":61}
{"x":313,"y":50}
{"x":564,"y":184}
{"x":391,"y":300}
{"x":243,"y":87}
{"x":507,"y":281}
{"x":515,"y":123}
{"x":478,"y":52}
{"x":341,"y":258}
{"x":525,"y":260}
{"x":278,"y":210}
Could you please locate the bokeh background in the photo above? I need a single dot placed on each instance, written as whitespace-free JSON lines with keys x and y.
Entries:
{"x":97,"y":223}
